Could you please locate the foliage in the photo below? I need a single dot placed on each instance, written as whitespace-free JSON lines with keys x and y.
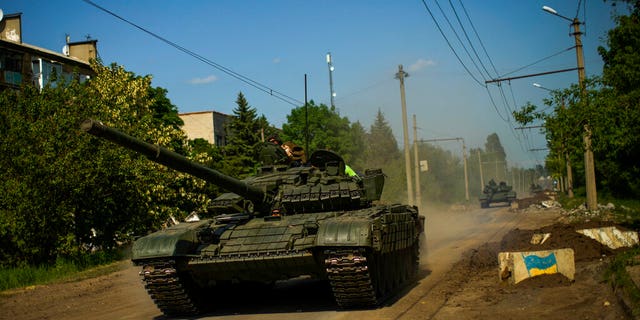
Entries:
{"x":607,"y":108}
{"x":327,"y":130}
{"x":244,"y":139}
{"x":63,"y":269}
{"x":63,"y":192}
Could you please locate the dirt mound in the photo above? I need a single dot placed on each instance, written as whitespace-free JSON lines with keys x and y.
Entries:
{"x":561,"y":236}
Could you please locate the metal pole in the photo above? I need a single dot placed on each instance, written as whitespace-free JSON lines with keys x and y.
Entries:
{"x":407,"y":157}
{"x":416,"y":163}
{"x":330,"y":64}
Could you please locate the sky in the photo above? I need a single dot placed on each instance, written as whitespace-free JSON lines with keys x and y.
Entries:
{"x":264,"y":49}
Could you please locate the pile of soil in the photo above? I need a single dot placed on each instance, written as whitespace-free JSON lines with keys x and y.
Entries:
{"x":562,"y":236}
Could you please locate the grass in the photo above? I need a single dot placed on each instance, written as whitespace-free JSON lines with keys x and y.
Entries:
{"x":82,"y":267}
{"x":621,"y":281}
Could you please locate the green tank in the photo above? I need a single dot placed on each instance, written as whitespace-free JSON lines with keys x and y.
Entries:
{"x":282,"y":223}
{"x":496,"y":193}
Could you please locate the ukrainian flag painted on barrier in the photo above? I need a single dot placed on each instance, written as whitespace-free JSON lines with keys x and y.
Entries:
{"x":540,"y":265}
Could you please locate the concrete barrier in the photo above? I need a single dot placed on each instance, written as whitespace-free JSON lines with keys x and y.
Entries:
{"x":521,"y":265}
{"x":611,"y":237}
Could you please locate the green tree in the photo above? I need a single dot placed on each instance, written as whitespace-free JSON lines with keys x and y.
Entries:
{"x":382,"y":147}
{"x":495,"y":157}
{"x":243,"y":133}
{"x":327,"y":129}
{"x":62,"y":191}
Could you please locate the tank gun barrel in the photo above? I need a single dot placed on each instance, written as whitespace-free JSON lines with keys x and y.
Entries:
{"x":174,"y":160}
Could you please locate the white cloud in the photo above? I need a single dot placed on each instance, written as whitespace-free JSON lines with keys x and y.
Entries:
{"x":204,"y":80}
{"x":421,"y":64}
{"x":276,"y":60}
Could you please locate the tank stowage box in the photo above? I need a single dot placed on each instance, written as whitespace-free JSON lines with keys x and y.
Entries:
{"x":284,"y":222}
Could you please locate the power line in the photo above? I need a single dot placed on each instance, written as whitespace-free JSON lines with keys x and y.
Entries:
{"x":449,"y":43}
{"x":469,"y":40}
{"x":255,"y":84}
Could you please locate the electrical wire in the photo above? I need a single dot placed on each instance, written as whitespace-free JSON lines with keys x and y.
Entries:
{"x":255,"y":84}
{"x":449,"y":44}
{"x":469,"y":41}
{"x":459,"y":40}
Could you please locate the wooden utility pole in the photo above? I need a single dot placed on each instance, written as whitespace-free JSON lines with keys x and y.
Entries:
{"x":416,"y":163}
{"x":407,"y":156}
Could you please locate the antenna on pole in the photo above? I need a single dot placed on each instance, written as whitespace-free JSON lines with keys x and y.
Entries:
{"x":330,"y":65}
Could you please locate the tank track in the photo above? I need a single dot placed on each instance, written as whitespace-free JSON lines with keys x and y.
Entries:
{"x":171,"y":291}
{"x":359,"y":279}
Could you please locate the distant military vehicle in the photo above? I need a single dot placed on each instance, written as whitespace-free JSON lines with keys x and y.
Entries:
{"x":496,"y":193}
{"x":282,"y":223}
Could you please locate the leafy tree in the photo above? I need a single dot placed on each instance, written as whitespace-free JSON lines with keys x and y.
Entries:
{"x":327,"y":130}
{"x":63,"y":192}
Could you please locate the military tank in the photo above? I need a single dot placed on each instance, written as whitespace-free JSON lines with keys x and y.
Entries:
{"x":284,"y":222}
{"x":496,"y":193}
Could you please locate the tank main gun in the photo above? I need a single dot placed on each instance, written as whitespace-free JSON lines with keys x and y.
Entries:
{"x":175,"y":161}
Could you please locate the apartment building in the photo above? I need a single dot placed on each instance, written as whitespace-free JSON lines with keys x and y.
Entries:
{"x":22,"y":63}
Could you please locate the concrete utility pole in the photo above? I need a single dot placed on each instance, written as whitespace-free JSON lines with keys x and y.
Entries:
{"x":466,"y":176}
{"x":480,"y":166}
{"x":417,"y":163}
{"x":407,"y":156}
{"x":589,"y":167}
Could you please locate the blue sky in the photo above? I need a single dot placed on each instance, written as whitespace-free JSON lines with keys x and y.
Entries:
{"x":276,"y":43}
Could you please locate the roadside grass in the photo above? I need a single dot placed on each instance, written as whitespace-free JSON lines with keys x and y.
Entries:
{"x":618,"y":276}
{"x":82,"y":267}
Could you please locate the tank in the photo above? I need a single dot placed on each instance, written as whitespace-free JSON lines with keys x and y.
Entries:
{"x":496,"y":193}
{"x":284,"y":222}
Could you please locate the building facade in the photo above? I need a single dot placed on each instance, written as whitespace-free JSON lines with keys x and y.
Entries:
{"x":208,"y":125}
{"x":22,"y":63}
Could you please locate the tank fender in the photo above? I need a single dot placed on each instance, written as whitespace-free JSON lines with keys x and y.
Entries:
{"x":178,"y":240}
{"x":344,"y":232}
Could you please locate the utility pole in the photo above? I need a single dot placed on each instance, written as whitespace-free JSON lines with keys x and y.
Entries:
{"x":417,"y":163}
{"x":480,"y":166}
{"x":407,"y":157}
{"x":466,"y":177}
{"x":589,"y":167}
{"x":330,"y":65}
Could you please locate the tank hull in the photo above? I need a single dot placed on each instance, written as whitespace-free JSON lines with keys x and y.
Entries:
{"x":365,"y":255}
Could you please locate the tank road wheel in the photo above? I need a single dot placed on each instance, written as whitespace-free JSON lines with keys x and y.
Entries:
{"x":350,"y":278}
{"x":172,"y":291}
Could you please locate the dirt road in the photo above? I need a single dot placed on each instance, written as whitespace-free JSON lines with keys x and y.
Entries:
{"x":458,"y":280}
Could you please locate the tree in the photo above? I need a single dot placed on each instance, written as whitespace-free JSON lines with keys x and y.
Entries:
{"x":327,"y":130}
{"x":495,"y":156}
{"x":244,"y":138}
{"x":382,"y":145}
{"x":64,"y":192}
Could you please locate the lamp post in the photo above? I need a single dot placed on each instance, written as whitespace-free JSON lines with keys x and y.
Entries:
{"x":590,"y":175}
{"x":567,"y":160}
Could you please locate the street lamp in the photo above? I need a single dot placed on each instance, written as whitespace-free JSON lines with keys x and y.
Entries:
{"x":537,"y":85}
{"x":590,"y":175}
